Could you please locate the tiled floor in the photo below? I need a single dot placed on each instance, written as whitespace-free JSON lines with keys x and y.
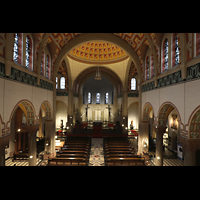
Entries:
{"x":9,"y":162}
{"x":169,"y":159}
{"x":96,"y":153}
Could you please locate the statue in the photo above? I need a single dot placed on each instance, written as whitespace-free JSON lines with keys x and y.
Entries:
{"x":109,"y":108}
{"x":61,"y":124}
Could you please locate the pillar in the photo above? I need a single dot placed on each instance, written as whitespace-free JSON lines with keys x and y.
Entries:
{"x":125,"y":112}
{"x":32,"y":150}
{"x":50,"y":136}
{"x":189,"y":157}
{"x":143,"y":137}
{"x":4,"y":142}
{"x":159,"y":145}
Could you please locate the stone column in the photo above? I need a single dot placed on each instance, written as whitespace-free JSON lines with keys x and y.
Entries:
{"x":32,"y":130}
{"x":190,"y":148}
{"x":50,"y":136}
{"x":143,"y":137}
{"x":159,"y":145}
{"x":4,"y":142}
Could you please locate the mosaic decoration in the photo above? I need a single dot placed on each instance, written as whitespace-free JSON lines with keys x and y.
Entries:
{"x":29,"y":111}
{"x":195,"y":126}
{"x":146,"y":111}
{"x":46,"y":106}
{"x":163,"y":114}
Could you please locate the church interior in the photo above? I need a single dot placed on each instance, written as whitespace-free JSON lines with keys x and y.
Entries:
{"x":99,"y":99}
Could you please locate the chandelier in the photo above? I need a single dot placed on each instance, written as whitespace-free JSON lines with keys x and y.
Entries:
{"x":98,"y":75}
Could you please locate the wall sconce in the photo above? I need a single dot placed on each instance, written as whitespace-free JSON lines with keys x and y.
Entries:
{"x":47,"y":143}
{"x":31,"y":157}
{"x":19,"y":130}
{"x":145,"y":143}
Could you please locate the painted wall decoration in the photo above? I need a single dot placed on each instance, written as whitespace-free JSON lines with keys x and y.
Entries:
{"x":174,"y":122}
{"x":195,"y":126}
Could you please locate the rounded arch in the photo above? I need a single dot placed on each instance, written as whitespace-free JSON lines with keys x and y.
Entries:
{"x":96,"y":36}
{"x":164,"y":111}
{"x":146,"y":110}
{"x":91,"y":72}
{"x":46,"y":106}
{"x":194,"y":124}
{"x":28,"y":109}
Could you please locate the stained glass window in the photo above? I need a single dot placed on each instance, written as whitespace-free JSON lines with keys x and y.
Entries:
{"x":89,"y":97}
{"x":166,"y":55}
{"x":42,"y":64}
{"x":106,"y":98}
{"x":27,"y":52}
{"x":133,"y":84}
{"x":47,"y":66}
{"x":62,"y":83}
{"x":177,"y":53}
{"x":16,"y":48}
{"x":98,"y":98}
{"x":56,"y":82}
{"x":147,"y":68}
{"x":152,"y":66}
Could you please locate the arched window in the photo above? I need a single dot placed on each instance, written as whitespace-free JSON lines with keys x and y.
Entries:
{"x":29,"y":52}
{"x":98,"y":98}
{"x":152,"y":66}
{"x":176,"y":51}
{"x":89,"y":97}
{"x":17,"y":48}
{"x":42,"y":64}
{"x":166,"y":55}
{"x":147,"y":68}
{"x":62,"y":83}
{"x":133,"y":84}
{"x":48,"y":70}
{"x":106,"y":97}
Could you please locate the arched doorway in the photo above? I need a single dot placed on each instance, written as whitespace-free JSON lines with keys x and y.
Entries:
{"x":167,"y":131}
{"x":146,"y":130}
{"x":22,"y":142}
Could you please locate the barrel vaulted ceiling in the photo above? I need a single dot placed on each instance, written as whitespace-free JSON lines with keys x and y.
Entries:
{"x":138,"y":41}
{"x":102,"y":53}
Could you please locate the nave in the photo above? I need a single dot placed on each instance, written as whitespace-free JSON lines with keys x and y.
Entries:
{"x":97,"y":153}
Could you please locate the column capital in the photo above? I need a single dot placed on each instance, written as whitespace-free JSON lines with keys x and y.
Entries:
{"x":160,"y":130}
{"x":32,"y":129}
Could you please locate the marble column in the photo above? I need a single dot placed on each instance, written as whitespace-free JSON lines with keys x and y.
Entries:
{"x":32,"y":130}
{"x":159,"y":145}
{"x":50,"y":136}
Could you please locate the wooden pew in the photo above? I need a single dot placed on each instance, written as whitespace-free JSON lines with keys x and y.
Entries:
{"x":75,"y":161}
{"x":117,"y":161}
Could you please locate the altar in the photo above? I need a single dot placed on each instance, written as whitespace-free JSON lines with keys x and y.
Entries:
{"x":97,"y":129}
{"x":93,"y":112}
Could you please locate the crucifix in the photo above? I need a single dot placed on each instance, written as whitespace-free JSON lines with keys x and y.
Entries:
{"x":109,"y":108}
{"x":86,"y":110}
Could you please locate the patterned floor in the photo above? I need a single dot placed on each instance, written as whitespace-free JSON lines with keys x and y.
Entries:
{"x":96,"y":152}
{"x":9,"y":162}
{"x":169,"y":159}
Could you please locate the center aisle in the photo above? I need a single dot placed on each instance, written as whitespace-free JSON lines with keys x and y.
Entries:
{"x":97,"y":152}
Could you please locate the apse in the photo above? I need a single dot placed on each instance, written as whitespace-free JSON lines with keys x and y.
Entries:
{"x":98,"y":94}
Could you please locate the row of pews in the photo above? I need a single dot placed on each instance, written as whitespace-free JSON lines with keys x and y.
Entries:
{"x":75,"y":152}
{"x":119,"y":152}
